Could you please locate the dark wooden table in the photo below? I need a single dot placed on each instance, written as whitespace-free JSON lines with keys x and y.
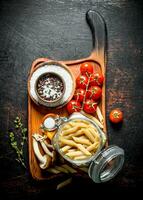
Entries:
{"x":57,"y":29}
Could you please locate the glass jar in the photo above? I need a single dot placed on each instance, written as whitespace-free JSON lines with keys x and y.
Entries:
{"x":104,"y":164}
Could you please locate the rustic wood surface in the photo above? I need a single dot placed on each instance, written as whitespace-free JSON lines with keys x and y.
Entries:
{"x":57,"y":29}
{"x":36,"y":113}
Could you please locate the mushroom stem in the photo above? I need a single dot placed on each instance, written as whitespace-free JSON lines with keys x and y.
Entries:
{"x":44,"y":144}
{"x":46,"y":149}
{"x":48,"y":145}
{"x":47,"y":161}
{"x":44,"y":160}
{"x":37,"y":151}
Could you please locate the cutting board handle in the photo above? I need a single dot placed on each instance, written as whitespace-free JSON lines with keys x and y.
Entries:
{"x":98,"y":28}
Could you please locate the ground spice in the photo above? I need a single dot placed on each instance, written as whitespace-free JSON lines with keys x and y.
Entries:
{"x":50,"y":87}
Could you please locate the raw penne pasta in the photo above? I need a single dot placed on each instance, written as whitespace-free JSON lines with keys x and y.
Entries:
{"x":64,"y":183}
{"x":65,"y":148}
{"x":67,"y":142}
{"x":81,"y":140}
{"x":85,"y":145}
{"x":99,"y":114}
{"x":93,"y":146}
{"x":71,"y":123}
{"x":71,"y":150}
{"x":79,"y":124}
{"x":80,"y":157}
{"x":83,"y":149}
{"x":74,"y":153}
{"x":94,"y":133}
{"x":68,"y":136}
{"x":89,"y":135}
{"x":84,"y":169}
{"x":69,"y":156}
{"x":71,"y":130}
{"x":93,"y":118}
{"x":82,"y":125}
{"x":79,"y":132}
{"x":98,"y":123}
{"x":83,"y":137}
{"x":61,"y":169}
{"x":67,"y":126}
{"x":91,"y":126}
{"x":70,"y":169}
{"x":82,"y":121}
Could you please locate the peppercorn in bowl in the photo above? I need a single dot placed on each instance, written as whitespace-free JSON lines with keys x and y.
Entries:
{"x":50,"y":87}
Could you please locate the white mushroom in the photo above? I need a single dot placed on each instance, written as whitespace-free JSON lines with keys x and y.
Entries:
{"x":49,"y":145}
{"x":46,"y":149}
{"x":44,"y":144}
{"x":47,"y":161}
{"x":44,"y":160}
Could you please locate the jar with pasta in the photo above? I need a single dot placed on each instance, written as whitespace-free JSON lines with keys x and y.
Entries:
{"x":81,"y":142}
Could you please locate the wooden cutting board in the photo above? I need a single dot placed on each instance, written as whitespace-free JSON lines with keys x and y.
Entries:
{"x":36,"y":113}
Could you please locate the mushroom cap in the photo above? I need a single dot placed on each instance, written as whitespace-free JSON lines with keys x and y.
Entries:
{"x":46,"y":162}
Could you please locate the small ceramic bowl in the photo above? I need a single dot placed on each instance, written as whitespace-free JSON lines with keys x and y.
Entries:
{"x":63,"y":73}
{"x":50,"y":87}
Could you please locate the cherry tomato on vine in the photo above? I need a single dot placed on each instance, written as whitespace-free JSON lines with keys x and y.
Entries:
{"x":116,"y":116}
{"x":94,"y":92}
{"x":73,"y":106}
{"x":96,"y":79}
{"x":90,"y":106}
{"x":86,"y":68}
{"x":81,"y":81}
{"x":79,"y":95}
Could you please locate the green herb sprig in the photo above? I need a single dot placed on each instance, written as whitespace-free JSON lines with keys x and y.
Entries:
{"x":18,"y":146}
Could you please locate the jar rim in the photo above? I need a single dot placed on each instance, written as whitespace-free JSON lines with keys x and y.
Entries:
{"x":106,"y":164}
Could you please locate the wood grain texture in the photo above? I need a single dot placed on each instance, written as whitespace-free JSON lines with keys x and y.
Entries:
{"x":36,"y":114}
{"x":32,"y":29}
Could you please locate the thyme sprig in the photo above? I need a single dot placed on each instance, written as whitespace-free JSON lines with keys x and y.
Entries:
{"x":18,"y":146}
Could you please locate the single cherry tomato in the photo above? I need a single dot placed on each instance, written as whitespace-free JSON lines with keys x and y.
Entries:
{"x":116,"y":116}
{"x":90,"y":106}
{"x":73,"y":106}
{"x":96,"y":79}
{"x":94,"y":92}
{"x":86,"y":68}
{"x":81,"y":81}
{"x":79,"y":95}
